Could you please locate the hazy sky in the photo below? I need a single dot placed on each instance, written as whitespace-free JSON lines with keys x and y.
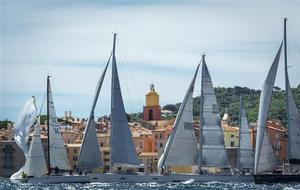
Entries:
{"x":158,"y":42}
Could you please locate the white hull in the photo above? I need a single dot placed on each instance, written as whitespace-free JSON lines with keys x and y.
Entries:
{"x":136,"y":178}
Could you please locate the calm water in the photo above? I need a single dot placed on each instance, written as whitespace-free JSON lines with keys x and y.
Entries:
{"x":5,"y":184}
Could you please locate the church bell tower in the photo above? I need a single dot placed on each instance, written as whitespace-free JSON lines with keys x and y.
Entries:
{"x":152,"y":108}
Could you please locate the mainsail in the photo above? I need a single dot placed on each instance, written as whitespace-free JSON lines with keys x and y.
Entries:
{"x":181,"y":148}
{"x":293,"y":116}
{"x":245,"y":151}
{"x":35,"y":164}
{"x":264,"y":155}
{"x":122,"y":150}
{"x":25,"y":120}
{"x":212,"y":146}
{"x":58,"y":154}
{"x":89,"y":155}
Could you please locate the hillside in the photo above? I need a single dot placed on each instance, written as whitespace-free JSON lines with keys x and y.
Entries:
{"x":229,"y":99}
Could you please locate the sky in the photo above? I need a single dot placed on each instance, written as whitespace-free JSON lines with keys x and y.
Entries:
{"x":158,"y":42}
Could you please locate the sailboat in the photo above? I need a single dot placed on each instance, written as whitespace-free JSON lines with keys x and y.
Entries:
{"x":182,"y":149}
{"x":36,"y":169}
{"x":265,"y":159}
{"x":245,"y":161}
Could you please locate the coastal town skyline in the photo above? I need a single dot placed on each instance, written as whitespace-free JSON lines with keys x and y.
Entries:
{"x":72,"y":42}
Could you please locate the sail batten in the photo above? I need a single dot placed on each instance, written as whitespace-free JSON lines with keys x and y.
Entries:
{"x":57,"y":150}
{"x":122,"y":150}
{"x":212,"y":147}
{"x":264,"y":155}
{"x":181,"y":148}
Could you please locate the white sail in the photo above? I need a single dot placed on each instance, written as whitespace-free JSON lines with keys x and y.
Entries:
{"x":25,"y":120}
{"x":264,"y":155}
{"x":58,"y":154}
{"x":122,"y":150}
{"x":212,"y":146}
{"x":90,"y":155}
{"x":293,"y":128}
{"x":35,"y":164}
{"x":181,"y":148}
{"x":245,"y":151}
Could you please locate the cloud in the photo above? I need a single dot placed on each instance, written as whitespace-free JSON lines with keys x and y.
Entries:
{"x":158,"y":41}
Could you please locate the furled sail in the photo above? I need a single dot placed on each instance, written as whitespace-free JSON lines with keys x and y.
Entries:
{"x":89,"y":155}
{"x":212,"y":146}
{"x":293,"y":127}
{"x":181,"y":148}
{"x":26,"y":119}
{"x":264,"y":155}
{"x":245,"y":151}
{"x":35,"y":164}
{"x":58,"y":154}
{"x":122,"y":150}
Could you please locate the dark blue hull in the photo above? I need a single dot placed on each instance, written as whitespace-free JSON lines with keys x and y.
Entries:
{"x":276,"y":178}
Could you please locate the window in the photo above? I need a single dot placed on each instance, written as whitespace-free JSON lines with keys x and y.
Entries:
{"x":160,"y":135}
{"x":161,"y":145}
{"x":101,"y":144}
{"x":75,"y":151}
{"x":74,"y":158}
{"x":150,"y":116}
{"x":156,"y":136}
{"x":231,"y":143}
{"x":232,"y":136}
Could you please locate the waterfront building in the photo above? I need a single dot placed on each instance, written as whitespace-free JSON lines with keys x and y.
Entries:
{"x":278,"y":138}
{"x":11,"y":158}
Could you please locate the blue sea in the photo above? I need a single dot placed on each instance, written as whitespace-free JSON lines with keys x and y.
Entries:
{"x":7,"y":185}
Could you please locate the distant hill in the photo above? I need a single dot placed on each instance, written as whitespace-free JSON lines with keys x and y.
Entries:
{"x":229,"y":99}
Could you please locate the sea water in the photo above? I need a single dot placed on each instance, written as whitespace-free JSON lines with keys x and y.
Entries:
{"x":7,"y":185}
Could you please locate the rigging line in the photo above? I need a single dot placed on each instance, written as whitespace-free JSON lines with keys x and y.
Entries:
{"x":42,"y":104}
{"x":132,"y":76}
{"x":127,"y":91}
{"x":126,"y":65}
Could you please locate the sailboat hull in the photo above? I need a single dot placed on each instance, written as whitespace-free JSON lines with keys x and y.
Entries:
{"x":136,"y":178}
{"x":127,"y":178}
{"x":279,"y":178}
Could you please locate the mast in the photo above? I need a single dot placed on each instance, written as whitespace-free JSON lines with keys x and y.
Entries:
{"x":240,"y":130}
{"x":286,"y":85}
{"x":113,"y":59}
{"x":48,"y":124}
{"x":201,"y":115}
